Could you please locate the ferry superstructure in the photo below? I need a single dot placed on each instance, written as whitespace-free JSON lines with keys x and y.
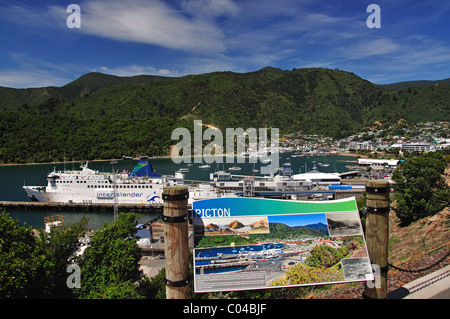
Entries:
{"x":318,"y":178}
{"x":141,"y":186}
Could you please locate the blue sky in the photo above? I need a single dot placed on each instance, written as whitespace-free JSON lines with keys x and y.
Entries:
{"x":176,"y":38}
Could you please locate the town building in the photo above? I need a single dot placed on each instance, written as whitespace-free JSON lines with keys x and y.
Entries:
{"x":378,"y":164}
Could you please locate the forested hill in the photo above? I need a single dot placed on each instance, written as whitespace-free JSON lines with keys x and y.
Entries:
{"x":322,"y":101}
{"x":412,"y":84}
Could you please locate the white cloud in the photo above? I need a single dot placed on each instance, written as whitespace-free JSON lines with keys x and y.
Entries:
{"x":210,"y":8}
{"x":31,"y":78}
{"x":201,"y":64}
{"x":134,"y":69}
{"x":425,"y":51}
{"x":198,"y":36}
{"x":27,"y":71}
{"x":32,"y":17}
{"x":166,"y":72}
{"x":147,"y":21}
{"x":369,"y":47}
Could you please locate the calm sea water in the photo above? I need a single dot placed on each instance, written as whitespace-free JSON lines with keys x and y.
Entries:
{"x":13,"y":177}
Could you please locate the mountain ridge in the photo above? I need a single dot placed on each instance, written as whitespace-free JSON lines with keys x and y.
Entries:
{"x":97,"y":80}
{"x":281,"y":230}
{"x":321,"y":101}
{"x":325,"y":101}
{"x":417,"y":83}
{"x":319,"y":227}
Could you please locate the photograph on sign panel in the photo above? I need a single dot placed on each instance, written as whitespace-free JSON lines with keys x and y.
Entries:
{"x":344,"y":224}
{"x":230,"y":226}
{"x":299,"y":250}
{"x":357,"y":268}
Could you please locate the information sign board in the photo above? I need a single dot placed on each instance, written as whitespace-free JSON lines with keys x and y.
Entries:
{"x":255,"y":243}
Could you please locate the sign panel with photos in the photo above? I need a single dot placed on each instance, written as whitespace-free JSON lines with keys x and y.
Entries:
{"x":255,"y":243}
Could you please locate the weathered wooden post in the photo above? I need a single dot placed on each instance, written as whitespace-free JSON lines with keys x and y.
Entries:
{"x":176,"y":246}
{"x":377,"y":236}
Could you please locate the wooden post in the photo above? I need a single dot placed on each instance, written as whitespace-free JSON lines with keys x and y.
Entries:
{"x":377,"y":236}
{"x":176,"y":246}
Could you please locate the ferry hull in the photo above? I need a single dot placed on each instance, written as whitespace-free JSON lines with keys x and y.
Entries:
{"x":34,"y":193}
{"x":99,"y":196}
{"x":142,"y":186}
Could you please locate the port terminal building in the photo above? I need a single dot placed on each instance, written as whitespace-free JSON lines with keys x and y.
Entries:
{"x":378,"y":164}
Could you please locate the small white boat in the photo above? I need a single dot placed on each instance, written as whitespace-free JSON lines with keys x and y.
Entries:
{"x":205,"y":166}
{"x":234,"y":168}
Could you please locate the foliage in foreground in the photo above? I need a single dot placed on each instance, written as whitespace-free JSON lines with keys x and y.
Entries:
{"x":109,"y":265}
{"x":420,"y":188}
{"x":34,"y":266}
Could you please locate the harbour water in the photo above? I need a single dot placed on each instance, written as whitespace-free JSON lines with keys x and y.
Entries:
{"x":13,"y":177}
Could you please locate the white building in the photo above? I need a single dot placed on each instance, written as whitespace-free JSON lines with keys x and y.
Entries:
{"x":366,"y":145}
{"x":413,"y":147}
{"x":416,"y":147}
{"x":378,"y":163}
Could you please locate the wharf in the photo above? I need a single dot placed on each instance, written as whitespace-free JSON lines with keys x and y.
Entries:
{"x":158,"y":208}
{"x":80,"y":206}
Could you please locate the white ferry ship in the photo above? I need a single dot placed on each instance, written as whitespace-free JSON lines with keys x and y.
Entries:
{"x":318,"y":178}
{"x":141,"y":186}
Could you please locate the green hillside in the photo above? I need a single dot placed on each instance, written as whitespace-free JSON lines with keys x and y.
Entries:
{"x":321,"y":101}
{"x":45,"y":138}
{"x":324,"y":101}
{"x":282,"y":231}
{"x":25,"y":99}
{"x":411,"y":84}
{"x":94,"y":81}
